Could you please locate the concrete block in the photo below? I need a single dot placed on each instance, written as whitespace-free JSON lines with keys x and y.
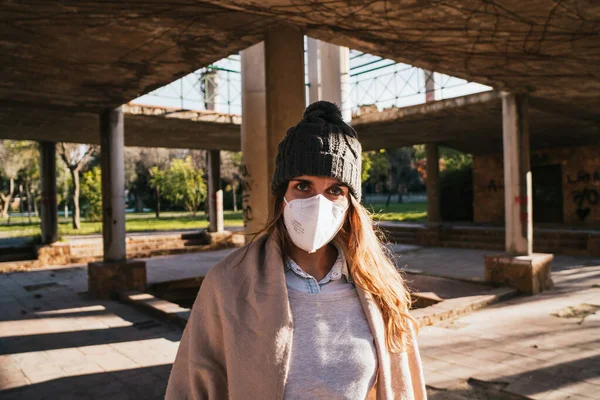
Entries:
{"x":593,"y":246}
{"x":429,"y":236}
{"x":528,"y":274}
{"x":108,"y":279}
{"x":54,"y":254}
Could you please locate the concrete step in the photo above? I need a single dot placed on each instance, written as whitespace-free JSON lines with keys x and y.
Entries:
{"x":452,"y":308}
{"x":433,"y":310}
{"x":17,"y":257}
{"x":473,"y":244}
{"x":157,"y":307}
{"x":17,"y":253}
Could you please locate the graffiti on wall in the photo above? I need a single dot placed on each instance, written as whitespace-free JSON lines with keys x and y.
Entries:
{"x":584,"y":177}
{"x":494,"y":187}
{"x":586,"y":197}
{"x":540,"y":159}
{"x":247,"y":191}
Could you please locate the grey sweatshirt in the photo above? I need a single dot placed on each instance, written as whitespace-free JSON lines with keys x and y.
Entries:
{"x":333,"y":353}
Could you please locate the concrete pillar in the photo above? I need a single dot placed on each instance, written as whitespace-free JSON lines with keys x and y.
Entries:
{"x":284,"y":78}
{"x":312,"y":61}
{"x":254,"y":170}
{"x":211,"y":90}
{"x":215,"y":193}
{"x":517,"y":175}
{"x":345,"y":83}
{"x":273,"y":100}
{"x":113,"y":184}
{"x":49,"y":215}
{"x":429,"y":86}
{"x":335,"y":78}
{"x":432,"y":155}
{"x":115,"y":274}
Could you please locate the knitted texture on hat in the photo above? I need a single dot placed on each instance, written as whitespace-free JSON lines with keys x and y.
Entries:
{"x":322,"y":144}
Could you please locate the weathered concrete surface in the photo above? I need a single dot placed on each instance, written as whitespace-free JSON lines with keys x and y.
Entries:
{"x":530,"y":274}
{"x":148,"y":126}
{"x":578,"y":181}
{"x":94,"y":57}
{"x":55,"y":342}
{"x":109,"y":278}
{"x":537,"y":45}
{"x":472,"y":124}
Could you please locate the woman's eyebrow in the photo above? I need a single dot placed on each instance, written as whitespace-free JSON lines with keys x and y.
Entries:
{"x":302,"y":181}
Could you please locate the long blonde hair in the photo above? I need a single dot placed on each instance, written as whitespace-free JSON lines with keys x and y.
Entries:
{"x":369,"y":262}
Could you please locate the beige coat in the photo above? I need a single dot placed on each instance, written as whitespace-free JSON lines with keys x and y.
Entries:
{"x":238,"y":340}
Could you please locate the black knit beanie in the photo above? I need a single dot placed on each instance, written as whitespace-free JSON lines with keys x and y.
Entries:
{"x":322,"y":144}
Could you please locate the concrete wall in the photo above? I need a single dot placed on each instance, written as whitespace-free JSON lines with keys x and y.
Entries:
{"x":580,"y":184}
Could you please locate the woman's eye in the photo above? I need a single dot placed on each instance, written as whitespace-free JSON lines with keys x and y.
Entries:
{"x":336,"y":191}
{"x":303,"y":187}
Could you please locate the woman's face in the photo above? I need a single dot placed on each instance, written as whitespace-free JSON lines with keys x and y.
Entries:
{"x":305,"y":186}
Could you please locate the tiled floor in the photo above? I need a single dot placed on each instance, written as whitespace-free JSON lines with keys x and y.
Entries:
{"x":56,"y":343}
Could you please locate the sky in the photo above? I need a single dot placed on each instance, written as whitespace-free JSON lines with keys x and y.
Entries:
{"x":373,"y":80}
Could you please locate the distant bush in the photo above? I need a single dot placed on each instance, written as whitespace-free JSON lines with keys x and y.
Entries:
{"x":456,"y":188}
{"x":91,"y":193}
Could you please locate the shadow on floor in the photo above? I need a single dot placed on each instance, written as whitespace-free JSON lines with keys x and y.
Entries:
{"x":139,"y":383}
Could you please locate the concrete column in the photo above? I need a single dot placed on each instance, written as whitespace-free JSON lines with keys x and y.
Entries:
{"x":429,"y":86}
{"x":254,"y":170}
{"x":116,"y":274}
{"x":49,"y":214}
{"x":284,"y":78}
{"x":432,"y":155}
{"x":517,"y":175}
{"x":335,"y":75}
{"x":273,"y":100}
{"x":215,"y":193}
{"x":312,"y":61}
{"x":211,"y":90}
{"x":113,"y":184}
{"x":345,"y":83}
{"x":331,"y":82}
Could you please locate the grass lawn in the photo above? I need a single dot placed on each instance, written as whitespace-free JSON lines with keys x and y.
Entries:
{"x":410,"y":212}
{"x":140,"y":222}
{"x":135,"y":222}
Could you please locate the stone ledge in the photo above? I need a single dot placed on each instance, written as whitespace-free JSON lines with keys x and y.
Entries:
{"x":452,"y":308}
{"x":530,"y":274}
{"x":593,"y":245}
{"x":430,"y":315}
{"x":108,"y":279}
{"x":158,"y":307}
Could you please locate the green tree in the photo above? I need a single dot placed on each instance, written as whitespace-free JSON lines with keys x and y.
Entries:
{"x":30,"y":177}
{"x":157,"y":182}
{"x":12,"y":160}
{"x":154,"y":160}
{"x":184,"y":185}
{"x":76,"y":157}
{"x":236,"y":161}
{"x":378,"y":167}
{"x":366,"y":166}
{"x":91,"y":192}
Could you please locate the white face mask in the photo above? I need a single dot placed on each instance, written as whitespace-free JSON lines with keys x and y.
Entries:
{"x":313,"y":222}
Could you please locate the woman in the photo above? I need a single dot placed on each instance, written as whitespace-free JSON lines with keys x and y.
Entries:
{"x":312,"y":308}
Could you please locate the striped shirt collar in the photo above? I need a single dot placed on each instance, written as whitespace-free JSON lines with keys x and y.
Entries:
{"x":339,"y":269}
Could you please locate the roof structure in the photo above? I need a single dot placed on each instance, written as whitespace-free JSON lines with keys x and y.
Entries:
{"x":472,"y":124}
{"x":61,"y":59}
{"x":145,"y":126}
